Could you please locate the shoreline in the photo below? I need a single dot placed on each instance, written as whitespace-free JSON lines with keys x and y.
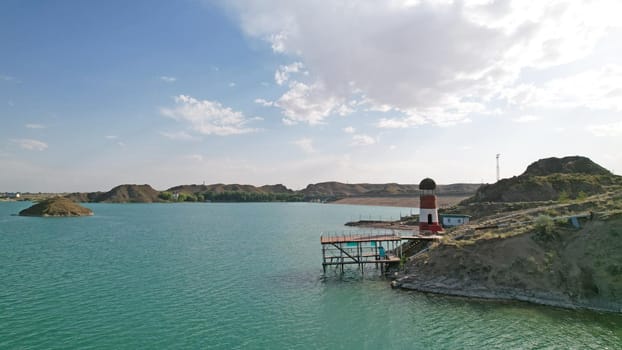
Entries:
{"x":552,"y":300}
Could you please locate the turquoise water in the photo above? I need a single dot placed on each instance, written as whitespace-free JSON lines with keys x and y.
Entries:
{"x":238,"y":276}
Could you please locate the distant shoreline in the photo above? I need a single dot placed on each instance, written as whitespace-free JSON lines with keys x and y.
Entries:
{"x":403,"y":202}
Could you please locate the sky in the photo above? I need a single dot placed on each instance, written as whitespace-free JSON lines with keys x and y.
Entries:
{"x":94,"y":94}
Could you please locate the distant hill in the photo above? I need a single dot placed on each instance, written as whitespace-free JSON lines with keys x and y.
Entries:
{"x":84,"y":197}
{"x":337,"y":190}
{"x":325,"y":191}
{"x":220,"y":188}
{"x":121,"y":194}
{"x":130,"y":194}
{"x":550,"y":179}
{"x":231,"y":193}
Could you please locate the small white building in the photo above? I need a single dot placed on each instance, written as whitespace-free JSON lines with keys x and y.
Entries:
{"x":451,"y":220}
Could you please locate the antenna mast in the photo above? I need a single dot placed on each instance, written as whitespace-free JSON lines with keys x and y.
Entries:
{"x":498,"y":154}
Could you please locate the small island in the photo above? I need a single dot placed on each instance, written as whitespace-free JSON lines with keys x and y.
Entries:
{"x":57,"y":206}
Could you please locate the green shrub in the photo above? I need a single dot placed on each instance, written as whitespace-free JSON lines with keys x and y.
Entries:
{"x":563,"y":197}
{"x":167,"y":196}
{"x":545,"y":224}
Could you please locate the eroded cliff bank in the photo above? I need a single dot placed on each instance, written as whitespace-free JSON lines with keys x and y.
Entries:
{"x":547,"y":260}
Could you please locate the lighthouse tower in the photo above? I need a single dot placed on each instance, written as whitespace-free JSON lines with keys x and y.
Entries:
{"x":428,"y":213}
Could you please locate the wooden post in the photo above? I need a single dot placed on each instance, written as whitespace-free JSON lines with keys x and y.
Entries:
{"x":341,"y":255}
{"x":324,"y":258}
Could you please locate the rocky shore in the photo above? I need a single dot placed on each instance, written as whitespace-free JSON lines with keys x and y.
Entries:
{"x":554,"y":264}
{"x":550,"y":236}
{"x":454,"y":287}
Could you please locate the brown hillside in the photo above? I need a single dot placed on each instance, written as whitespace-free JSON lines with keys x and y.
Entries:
{"x":220,"y":188}
{"x":278,"y":188}
{"x":84,"y":197}
{"x":531,"y":251}
{"x":567,"y":267}
{"x":337,"y":190}
{"x":550,"y":179}
{"x":566,"y":165}
{"x":57,"y":206}
{"x":130,"y":194}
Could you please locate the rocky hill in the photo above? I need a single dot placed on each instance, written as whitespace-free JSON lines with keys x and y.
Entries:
{"x":566,"y":165}
{"x":550,"y":179}
{"x":130,"y":194}
{"x":57,"y":206}
{"x":560,"y":247}
{"x":84,"y":197}
{"x":220,"y":188}
{"x":534,"y":255}
{"x":120,"y":194}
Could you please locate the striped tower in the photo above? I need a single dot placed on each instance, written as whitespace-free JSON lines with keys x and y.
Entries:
{"x":428,"y":213}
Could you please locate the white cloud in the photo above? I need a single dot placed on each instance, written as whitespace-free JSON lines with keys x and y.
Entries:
{"x":31,"y":145}
{"x":401,"y":123}
{"x":112,"y":137}
{"x":264,"y":103}
{"x":34,"y":126}
{"x":362,"y":140}
{"x":526,"y":119}
{"x":232,"y":84}
{"x":281,"y":76}
{"x":349,"y":130}
{"x":307,"y":103}
{"x":6,"y":78}
{"x":208,"y":117}
{"x":179,"y":135}
{"x":278,"y":42}
{"x":603,"y":130}
{"x":168,"y":79}
{"x":441,"y":60}
{"x":593,"y":89}
{"x":448,"y":115}
{"x":305,"y":144}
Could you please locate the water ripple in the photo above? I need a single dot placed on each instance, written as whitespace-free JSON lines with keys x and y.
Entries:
{"x":238,"y":277}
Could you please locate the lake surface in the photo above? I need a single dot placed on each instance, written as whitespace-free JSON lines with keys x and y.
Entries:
{"x":239,"y":276}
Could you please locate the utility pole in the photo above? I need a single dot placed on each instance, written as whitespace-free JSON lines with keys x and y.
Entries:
{"x":498,"y":154}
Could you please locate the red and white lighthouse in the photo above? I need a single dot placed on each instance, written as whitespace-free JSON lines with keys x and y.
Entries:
{"x":428,"y":213}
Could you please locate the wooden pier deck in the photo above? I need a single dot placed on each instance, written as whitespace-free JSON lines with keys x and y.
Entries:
{"x":382,"y":250}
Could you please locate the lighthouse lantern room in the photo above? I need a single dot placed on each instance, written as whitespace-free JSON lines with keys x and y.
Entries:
{"x":428,"y":212}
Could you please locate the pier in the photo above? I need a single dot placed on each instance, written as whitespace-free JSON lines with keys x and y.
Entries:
{"x":382,"y":250}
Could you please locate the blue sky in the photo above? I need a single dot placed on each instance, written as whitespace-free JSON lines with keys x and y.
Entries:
{"x":98,"y":93}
